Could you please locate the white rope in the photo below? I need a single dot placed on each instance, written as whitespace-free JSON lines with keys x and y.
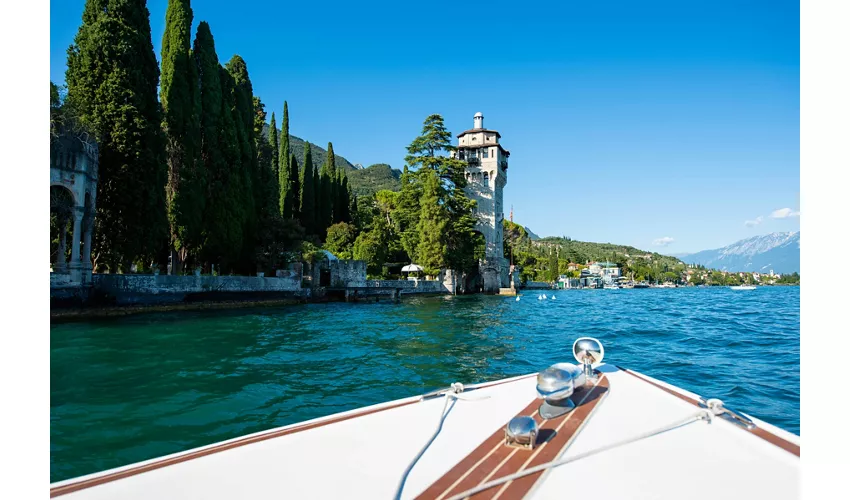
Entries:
{"x":701,"y":415}
{"x":453,"y":394}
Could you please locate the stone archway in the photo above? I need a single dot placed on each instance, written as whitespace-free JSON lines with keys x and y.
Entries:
{"x":62,"y":205}
{"x":73,"y":193}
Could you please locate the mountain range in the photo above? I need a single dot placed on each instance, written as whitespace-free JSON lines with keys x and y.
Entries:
{"x":363,"y":181}
{"x":777,"y":251}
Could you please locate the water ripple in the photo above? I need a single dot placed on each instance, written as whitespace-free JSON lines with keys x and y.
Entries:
{"x":138,"y":387}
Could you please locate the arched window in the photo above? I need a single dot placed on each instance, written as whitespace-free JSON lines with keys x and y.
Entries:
{"x":486,"y":179}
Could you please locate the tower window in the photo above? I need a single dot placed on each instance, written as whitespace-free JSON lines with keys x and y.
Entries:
{"x":484,"y":153}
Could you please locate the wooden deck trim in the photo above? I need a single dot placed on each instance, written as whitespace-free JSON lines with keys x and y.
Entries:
{"x":132,"y":471}
{"x":764,"y":434}
{"x":492,"y":459}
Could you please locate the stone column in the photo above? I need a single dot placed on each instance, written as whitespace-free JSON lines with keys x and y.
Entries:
{"x":75,"y":242}
{"x":87,"y":264}
{"x":75,"y":266}
{"x":60,"y":266}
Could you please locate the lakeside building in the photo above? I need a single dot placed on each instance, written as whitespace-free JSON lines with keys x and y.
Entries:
{"x":608,"y":271}
{"x":487,"y":175}
{"x":73,"y":194}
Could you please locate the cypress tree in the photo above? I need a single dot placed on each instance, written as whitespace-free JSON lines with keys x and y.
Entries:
{"x":181,"y":107}
{"x":274,"y":144}
{"x":328,"y":178}
{"x":288,"y":199}
{"x":295,"y":185}
{"x":317,"y":196}
{"x":266,"y":175}
{"x":222,"y":228}
{"x":243,"y":119}
{"x":112,"y":81}
{"x":308,"y":202}
{"x":342,"y":201}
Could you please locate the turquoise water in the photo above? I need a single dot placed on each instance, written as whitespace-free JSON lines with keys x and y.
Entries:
{"x":139,"y":387}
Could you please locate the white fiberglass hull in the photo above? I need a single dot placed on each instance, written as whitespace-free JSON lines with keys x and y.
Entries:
{"x":364,"y":453}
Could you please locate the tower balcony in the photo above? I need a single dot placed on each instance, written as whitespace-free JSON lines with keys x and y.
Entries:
{"x":474,"y":161}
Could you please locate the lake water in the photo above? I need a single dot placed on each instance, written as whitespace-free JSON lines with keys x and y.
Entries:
{"x":138,"y":387}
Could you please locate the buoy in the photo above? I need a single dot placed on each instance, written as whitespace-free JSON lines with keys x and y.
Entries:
{"x":517,"y":298}
{"x":553,"y":297}
{"x":544,"y":296}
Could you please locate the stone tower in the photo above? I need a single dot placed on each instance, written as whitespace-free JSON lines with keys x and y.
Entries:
{"x":487,"y":174}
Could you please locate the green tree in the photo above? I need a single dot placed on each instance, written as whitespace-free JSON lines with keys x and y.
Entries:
{"x":408,"y":211}
{"x":552,"y":267}
{"x":307,"y":210}
{"x":340,"y":239}
{"x":371,"y":248}
{"x":185,"y":190}
{"x":431,"y":251}
{"x":325,"y":197}
{"x":280,"y":243}
{"x":222,"y":218}
{"x":243,"y":119}
{"x":274,"y":144}
{"x":427,"y":153}
{"x":342,"y":203}
{"x":288,"y":173}
{"x":112,"y":80}
{"x":225,"y":216}
{"x":266,"y":175}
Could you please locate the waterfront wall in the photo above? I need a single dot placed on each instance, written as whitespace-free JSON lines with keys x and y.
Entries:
{"x":538,"y":285}
{"x":347,"y":273}
{"x":149,"y":288}
{"x":410,"y":286}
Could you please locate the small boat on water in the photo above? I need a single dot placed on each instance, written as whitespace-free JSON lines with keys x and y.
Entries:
{"x":743,"y":287}
{"x":592,"y":428}
{"x":642,"y":284}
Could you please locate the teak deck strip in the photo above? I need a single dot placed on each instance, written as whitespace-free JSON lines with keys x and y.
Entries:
{"x":492,"y":459}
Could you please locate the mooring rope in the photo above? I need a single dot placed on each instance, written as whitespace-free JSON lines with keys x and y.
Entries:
{"x":452,"y":394}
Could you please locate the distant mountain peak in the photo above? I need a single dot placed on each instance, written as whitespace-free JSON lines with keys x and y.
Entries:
{"x":779,"y":251}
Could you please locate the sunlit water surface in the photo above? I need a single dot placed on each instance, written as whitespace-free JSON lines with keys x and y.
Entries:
{"x":139,"y":387}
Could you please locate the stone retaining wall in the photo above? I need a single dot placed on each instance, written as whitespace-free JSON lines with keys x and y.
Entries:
{"x":410,"y":286}
{"x":538,"y":285}
{"x":150,"y":288}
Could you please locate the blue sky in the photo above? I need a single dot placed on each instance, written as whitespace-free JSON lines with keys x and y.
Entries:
{"x":628,"y":122}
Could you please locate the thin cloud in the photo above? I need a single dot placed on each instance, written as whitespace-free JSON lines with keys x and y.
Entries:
{"x":755,"y":222}
{"x":662,"y":242}
{"x":784,"y":213}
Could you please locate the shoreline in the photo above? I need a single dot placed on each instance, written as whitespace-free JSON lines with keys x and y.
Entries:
{"x":87,"y":313}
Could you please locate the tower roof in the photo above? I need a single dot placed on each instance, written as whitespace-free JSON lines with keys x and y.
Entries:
{"x":479,"y":130}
